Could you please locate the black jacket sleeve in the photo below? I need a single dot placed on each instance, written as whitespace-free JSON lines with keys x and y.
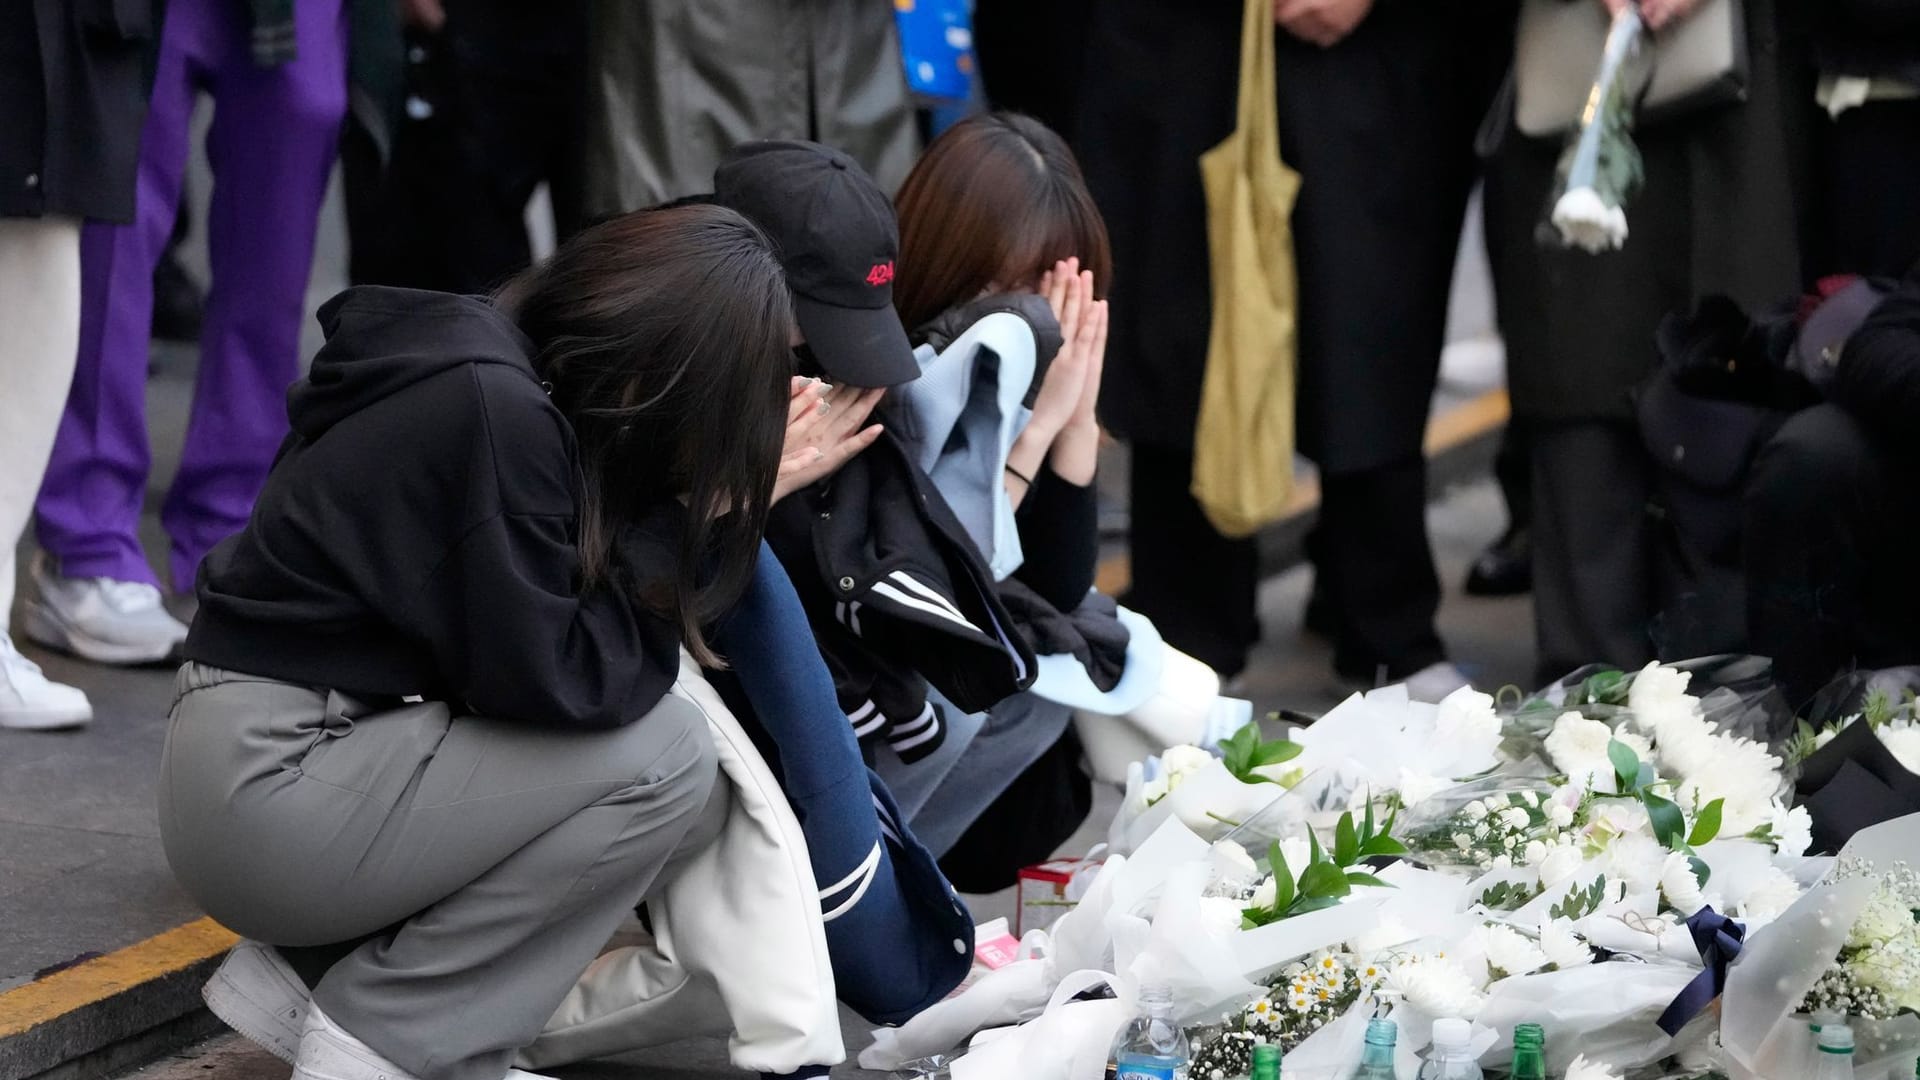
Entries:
{"x":1878,"y":379}
{"x":1059,"y":525}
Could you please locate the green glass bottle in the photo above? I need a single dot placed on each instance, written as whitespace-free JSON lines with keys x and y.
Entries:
{"x":1376,"y":1060}
{"x":1266,"y":1062}
{"x":1529,"y":1052}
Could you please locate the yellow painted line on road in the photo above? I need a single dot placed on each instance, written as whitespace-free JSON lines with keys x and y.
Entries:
{"x":102,"y":977}
{"x":1461,"y":424}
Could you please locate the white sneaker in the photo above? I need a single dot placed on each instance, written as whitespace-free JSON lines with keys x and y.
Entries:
{"x":30,"y":701}
{"x":257,"y":994}
{"x":329,"y":1052}
{"x":1434,"y":682}
{"x":100,"y":619}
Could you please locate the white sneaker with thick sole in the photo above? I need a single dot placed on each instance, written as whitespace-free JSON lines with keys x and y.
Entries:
{"x":256,"y":993}
{"x":29,"y":701}
{"x":329,"y":1052}
{"x":100,"y":619}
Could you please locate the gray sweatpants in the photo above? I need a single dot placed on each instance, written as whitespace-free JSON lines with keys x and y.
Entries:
{"x":484,"y":863}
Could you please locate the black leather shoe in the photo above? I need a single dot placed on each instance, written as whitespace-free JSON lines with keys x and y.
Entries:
{"x":177,"y":302}
{"x":1505,"y":568}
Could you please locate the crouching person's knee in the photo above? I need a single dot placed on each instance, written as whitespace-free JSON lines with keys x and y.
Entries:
{"x":671,"y":757}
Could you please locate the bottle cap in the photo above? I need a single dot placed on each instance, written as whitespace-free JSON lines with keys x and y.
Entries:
{"x":1452,"y":1034}
{"x":1266,"y":1054}
{"x":1529,"y":1035}
{"x":1836,"y":1039}
{"x":1382,"y":1031}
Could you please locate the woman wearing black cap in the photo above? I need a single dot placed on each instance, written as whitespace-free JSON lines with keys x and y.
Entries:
{"x":423,"y":744}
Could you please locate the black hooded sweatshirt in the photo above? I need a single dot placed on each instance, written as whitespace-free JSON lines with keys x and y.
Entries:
{"x":417,"y":533}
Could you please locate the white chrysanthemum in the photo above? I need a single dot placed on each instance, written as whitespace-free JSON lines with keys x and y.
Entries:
{"x":1578,"y":746}
{"x":1685,"y":746}
{"x":1561,"y":863}
{"x":1181,"y":760}
{"x":1265,"y":893}
{"x":1903,"y":742}
{"x":1562,"y":946}
{"x":1437,"y":986}
{"x":1636,"y":859}
{"x":1585,"y":221}
{"x":1775,"y":893}
{"x":1657,"y":688}
{"x":1512,"y":952}
{"x":1582,"y":1069}
{"x":1792,"y":829}
{"x":1678,"y":886}
{"x":1641,"y":746}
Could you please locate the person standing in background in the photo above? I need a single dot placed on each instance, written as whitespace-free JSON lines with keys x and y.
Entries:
{"x":73,"y":86}
{"x":674,"y":84}
{"x":493,"y":110}
{"x":1379,"y":101}
{"x":1725,"y":209}
{"x":278,"y":74}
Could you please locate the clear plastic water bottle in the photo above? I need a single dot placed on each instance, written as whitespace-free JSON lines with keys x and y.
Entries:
{"x":1152,"y":1047}
{"x":1451,"y":1057}
{"x":1376,"y":1059}
{"x":1835,"y":1053}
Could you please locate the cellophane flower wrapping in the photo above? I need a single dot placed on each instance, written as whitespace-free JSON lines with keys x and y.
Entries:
{"x":1600,"y":169}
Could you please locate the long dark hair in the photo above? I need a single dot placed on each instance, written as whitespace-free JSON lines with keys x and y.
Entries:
{"x":994,"y":202}
{"x":663,"y":336}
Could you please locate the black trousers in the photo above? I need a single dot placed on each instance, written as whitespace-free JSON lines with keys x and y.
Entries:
{"x":495,"y":107}
{"x":1831,"y":579}
{"x":1873,"y":154}
{"x":1594,"y":564}
{"x":1370,"y":550}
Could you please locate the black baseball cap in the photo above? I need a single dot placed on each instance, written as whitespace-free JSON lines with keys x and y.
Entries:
{"x":838,"y":241}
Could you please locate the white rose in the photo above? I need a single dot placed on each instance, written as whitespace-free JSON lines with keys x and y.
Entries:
{"x":1181,"y":760}
{"x":1582,"y":1069}
{"x":1774,"y":894}
{"x":1265,"y":893}
{"x":1560,"y":864}
{"x":1562,"y":946}
{"x":1511,"y":951}
{"x":1678,"y":885}
{"x":1231,"y":857}
{"x":1792,"y":830}
{"x":1883,"y":919}
{"x":1154,"y":790}
{"x":1220,"y":915}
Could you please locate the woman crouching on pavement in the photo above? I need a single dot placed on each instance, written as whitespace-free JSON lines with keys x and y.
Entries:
{"x":422,"y":745}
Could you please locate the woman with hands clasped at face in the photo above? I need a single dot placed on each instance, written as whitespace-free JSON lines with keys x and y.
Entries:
{"x":1063,"y":432}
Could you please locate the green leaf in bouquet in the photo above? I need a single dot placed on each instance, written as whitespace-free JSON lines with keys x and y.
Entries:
{"x":1308,"y":904}
{"x":1323,"y":879}
{"x":1314,"y":854}
{"x":1603,"y":688}
{"x":1507,"y":896}
{"x":1701,"y":872}
{"x":1236,"y":750}
{"x":1669,"y":824}
{"x":1626,"y":764}
{"x":1580,"y":903}
{"x":1706,"y":824}
{"x":1346,"y":842}
{"x":1282,"y":877}
{"x":1877,"y":710}
{"x":1366,"y":824}
{"x":1360,"y":877}
{"x":1275,"y":752}
{"x":1380,"y":846}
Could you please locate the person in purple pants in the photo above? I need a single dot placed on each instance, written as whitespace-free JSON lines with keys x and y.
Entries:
{"x":277,"y":115}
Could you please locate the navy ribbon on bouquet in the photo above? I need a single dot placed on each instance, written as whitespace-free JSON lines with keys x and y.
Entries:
{"x":1719,"y":940}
